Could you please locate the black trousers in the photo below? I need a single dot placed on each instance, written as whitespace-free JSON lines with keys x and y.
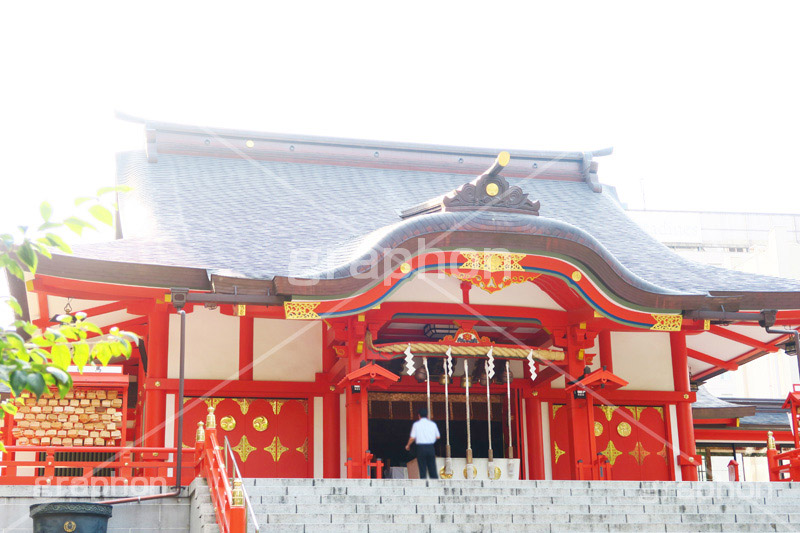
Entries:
{"x":426,"y":460}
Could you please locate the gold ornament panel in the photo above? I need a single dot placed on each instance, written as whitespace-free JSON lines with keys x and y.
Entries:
{"x":667,"y":322}
{"x":301,"y":310}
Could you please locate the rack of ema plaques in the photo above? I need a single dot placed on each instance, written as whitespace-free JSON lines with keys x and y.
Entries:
{"x":503,"y":468}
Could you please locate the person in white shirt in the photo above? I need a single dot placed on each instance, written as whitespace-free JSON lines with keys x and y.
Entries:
{"x":425,"y":433}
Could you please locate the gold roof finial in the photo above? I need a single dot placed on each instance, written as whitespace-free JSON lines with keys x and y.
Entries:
{"x":770,"y":441}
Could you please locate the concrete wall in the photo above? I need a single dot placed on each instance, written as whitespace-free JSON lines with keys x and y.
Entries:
{"x":168,"y":515}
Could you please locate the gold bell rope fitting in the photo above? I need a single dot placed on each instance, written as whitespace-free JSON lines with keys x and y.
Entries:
{"x":237,"y":494}
{"x":200,"y":436}
{"x":211,"y":420}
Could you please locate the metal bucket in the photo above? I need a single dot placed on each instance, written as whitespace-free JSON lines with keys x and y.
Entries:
{"x":70,"y":517}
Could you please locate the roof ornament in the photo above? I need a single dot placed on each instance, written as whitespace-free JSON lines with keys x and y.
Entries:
{"x":488,"y":192}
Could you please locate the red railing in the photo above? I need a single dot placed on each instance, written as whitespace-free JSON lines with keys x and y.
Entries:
{"x":777,"y":467}
{"x":228,"y":499}
{"x":93,"y":465}
{"x":599,"y":469}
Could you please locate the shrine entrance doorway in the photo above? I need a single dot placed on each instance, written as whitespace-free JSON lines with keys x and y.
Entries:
{"x":391,"y":415}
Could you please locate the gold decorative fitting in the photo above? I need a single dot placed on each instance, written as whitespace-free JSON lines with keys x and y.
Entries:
{"x":304,"y":449}
{"x":598,"y":429}
{"x":667,"y":322}
{"x":685,"y":396}
{"x":276,"y":406}
{"x":200,"y":436}
{"x":239,"y":310}
{"x":260,"y":424}
{"x":770,"y":441}
{"x":444,"y":475}
{"x":576,"y":276}
{"x":636,"y":411}
{"x":611,"y":453}
{"x":211,"y":421}
{"x":492,"y":189}
{"x":70,"y":526}
{"x":497,"y":474}
{"x":244,"y":404}
{"x":556,"y":408}
{"x":405,"y":268}
{"x":276,"y":449}
{"x":535,"y":393}
{"x":624,"y":429}
{"x":608,"y":410}
{"x":228,"y":423}
{"x":660,"y":411}
{"x":493,"y":261}
{"x":639,"y":453}
{"x":301,"y":310}
{"x":249,"y":143}
{"x":244,"y":449}
{"x":158,"y":383}
{"x":557,"y":452}
{"x":213,"y":402}
{"x":237,"y":494}
{"x":474,"y":472}
{"x":706,"y":325}
{"x":663,"y":453}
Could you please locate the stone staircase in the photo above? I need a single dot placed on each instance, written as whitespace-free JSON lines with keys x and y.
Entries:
{"x":332,"y":505}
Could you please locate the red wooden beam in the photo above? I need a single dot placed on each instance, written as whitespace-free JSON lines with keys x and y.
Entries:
{"x":740,"y":435}
{"x":711,"y":360}
{"x":744,"y":358}
{"x":742,"y":339}
{"x":89,"y":290}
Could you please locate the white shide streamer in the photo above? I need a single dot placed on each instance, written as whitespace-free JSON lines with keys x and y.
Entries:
{"x":490,"y":363}
{"x":532,"y":366}
{"x":409,"y":361}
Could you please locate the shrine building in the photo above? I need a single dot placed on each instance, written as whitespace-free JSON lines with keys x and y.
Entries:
{"x":322,"y":290}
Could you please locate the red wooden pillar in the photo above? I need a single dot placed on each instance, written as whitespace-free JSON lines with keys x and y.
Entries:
{"x":357,"y":431}
{"x":331,"y":467}
{"x":155,"y":400}
{"x":606,"y":360}
{"x":533,"y":430}
{"x":680,"y":374}
{"x":578,"y":414}
{"x":246,"y":325}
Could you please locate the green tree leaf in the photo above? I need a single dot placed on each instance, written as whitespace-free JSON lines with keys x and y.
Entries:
{"x":28,"y":256}
{"x":17,"y":382}
{"x":83,"y":199}
{"x":81,"y":355}
{"x":46,"y":210}
{"x":13,"y":267}
{"x":102,"y":352}
{"x":58,"y":242}
{"x":60,"y":375}
{"x":14,"y":305}
{"x":60,"y":356}
{"x":10,"y":408}
{"x":77,"y":225}
{"x":102,"y":214}
{"x":35,"y":384}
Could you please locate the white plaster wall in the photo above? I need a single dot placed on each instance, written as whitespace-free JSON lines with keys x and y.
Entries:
{"x":318,"y":444}
{"x":342,"y":437}
{"x":644,"y":360}
{"x":287,"y":350}
{"x":212,"y":345}
{"x":548,"y":459}
{"x":673,"y":417}
{"x":434,"y":287}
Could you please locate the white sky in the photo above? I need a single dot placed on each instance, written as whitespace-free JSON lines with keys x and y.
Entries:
{"x":700,"y":100}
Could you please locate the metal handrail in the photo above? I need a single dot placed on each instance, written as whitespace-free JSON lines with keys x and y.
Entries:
{"x":238,"y":475}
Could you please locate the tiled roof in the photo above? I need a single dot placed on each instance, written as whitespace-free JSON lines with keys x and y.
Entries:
{"x":258,"y":219}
